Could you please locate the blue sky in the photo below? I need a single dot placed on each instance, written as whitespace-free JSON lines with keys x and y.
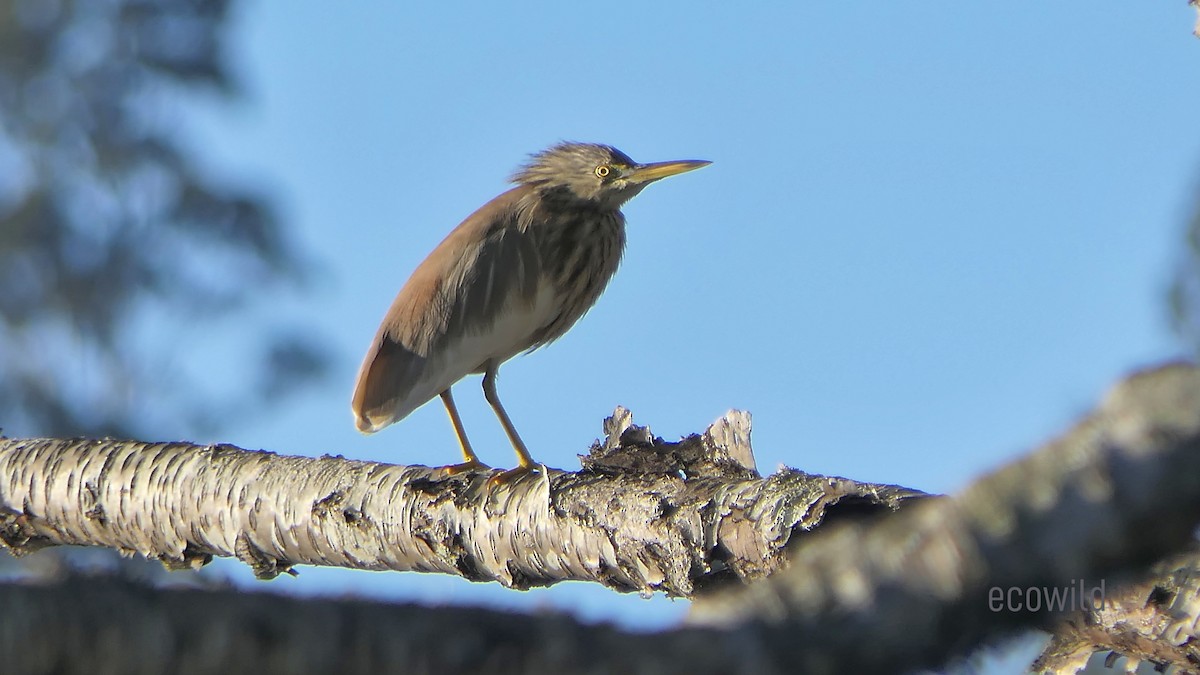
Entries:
{"x":932,"y":234}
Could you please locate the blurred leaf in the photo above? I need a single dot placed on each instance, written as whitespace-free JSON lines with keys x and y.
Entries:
{"x":1183,"y":297}
{"x":118,"y":253}
{"x":291,"y":361}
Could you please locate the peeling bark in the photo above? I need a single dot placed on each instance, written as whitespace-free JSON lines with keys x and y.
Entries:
{"x":644,"y":515}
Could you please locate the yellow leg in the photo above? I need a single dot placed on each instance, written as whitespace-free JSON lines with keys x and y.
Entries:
{"x":526,"y":463}
{"x":472,"y":461}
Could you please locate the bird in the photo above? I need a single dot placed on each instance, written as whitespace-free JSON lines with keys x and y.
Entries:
{"x":514,"y":276}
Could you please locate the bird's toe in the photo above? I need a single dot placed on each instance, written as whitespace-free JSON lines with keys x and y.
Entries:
{"x":465,"y":467}
{"x":514,"y":474}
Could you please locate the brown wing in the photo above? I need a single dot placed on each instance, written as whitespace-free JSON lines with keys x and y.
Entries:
{"x":439,"y":325}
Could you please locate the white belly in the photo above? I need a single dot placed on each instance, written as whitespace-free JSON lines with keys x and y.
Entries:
{"x":510,"y":334}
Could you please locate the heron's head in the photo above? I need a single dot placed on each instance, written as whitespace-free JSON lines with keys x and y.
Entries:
{"x":595,"y":173}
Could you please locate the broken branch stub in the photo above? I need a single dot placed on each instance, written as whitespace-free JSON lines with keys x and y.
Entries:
{"x":722,"y":451}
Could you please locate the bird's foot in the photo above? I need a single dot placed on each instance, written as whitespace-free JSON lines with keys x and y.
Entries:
{"x":465,"y":467}
{"x":514,"y":474}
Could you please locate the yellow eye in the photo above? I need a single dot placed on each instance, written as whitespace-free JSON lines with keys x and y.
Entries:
{"x":603,"y":171}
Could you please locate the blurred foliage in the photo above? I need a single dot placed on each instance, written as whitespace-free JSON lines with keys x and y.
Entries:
{"x":117,"y":251}
{"x":1185,"y":286}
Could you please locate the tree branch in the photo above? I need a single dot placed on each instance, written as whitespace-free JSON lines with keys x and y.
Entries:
{"x":1155,"y":620}
{"x":1115,"y":494}
{"x":644,"y":515}
{"x":905,"y":591}
{"x":53,"y":629}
